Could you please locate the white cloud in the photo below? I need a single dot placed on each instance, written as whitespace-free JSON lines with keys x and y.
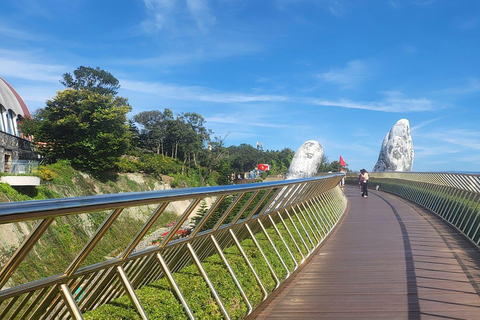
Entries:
{"x":335,"y":7}
{"x":160,"y":15}
{"x":462,"y":138}
{"x":201,"y":14}
{"x":424,"y":2}
{"x":181,"y":17}
{"x":472,"y":85}
{"x":21,"y":65}
{"x":433,"y":150}
{"x":19,"y":34}
{"x":423,"y":124}
{"x":394,"y":102}
{"x":249,"y":120}
{"x":450,"y":141}
{"x":349,"y":77}
{"x":394,"y":3}
{"x":469,"y":24}
{"x":196,"y":93}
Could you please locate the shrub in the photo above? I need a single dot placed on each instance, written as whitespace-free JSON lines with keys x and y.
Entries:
{"x":127,"y":164}
{"x":46,"y":174}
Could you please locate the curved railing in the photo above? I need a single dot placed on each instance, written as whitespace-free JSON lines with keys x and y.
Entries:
{"x":455,"y":197}
{"x":79,"y":257}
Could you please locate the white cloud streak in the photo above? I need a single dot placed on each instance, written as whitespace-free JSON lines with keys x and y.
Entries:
{"x":22,"y":66}
{"x":201,"y":14}
{"x":19,"y":34}
{"x":471,"y":86}
{"x":249,"y":121}
{"x":395,"y":102}
{"x":470,"y":24}
{"x":394,"y":3}
{"x":450,"y":141}
{"x":196,"y":93}
{"x":180,"y":17}
{"x":423,"y":124}
{"x":424,"y":2}
{"x":349,"y":77}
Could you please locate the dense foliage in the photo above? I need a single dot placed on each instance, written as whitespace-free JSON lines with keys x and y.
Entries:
{"x":160,"y":303}
{"x":87,"y":125}
{"x":95,"y":80}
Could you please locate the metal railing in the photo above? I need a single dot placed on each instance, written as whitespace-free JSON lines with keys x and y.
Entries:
{"x":455,"y":197}
{"x":63,"y":258}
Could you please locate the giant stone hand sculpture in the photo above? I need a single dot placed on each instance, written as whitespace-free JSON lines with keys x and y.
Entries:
{"x":306,"y":161}
{"x":396,"y":153}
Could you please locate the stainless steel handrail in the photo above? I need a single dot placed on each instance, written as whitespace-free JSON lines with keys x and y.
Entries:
{"x":306,"y":210}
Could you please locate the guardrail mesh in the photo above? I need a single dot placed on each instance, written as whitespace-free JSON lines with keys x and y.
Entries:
{"x":132,"y":256}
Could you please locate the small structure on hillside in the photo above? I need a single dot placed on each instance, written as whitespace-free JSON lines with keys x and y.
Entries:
{"x":396,"y":153}
{"x":16,"y":152}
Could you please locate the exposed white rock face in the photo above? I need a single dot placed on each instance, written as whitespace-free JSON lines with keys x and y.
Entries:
{"x":396,"y":153}
{"x":306,"y":161}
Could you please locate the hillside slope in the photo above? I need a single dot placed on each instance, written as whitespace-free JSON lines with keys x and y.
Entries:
{"x":67,"y":235}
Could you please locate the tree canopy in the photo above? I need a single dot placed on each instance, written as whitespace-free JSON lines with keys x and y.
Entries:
{"x":95,"y":80}
{"x":87,"y":124}
{"x":84,"y":125}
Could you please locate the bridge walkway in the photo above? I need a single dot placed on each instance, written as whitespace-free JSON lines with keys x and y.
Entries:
{"x":388,"y":259}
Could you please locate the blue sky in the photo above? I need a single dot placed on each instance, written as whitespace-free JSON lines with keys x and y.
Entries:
{"x":341,"y":72}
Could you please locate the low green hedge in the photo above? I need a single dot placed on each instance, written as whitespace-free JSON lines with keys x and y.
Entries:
{"x":159,"y":301}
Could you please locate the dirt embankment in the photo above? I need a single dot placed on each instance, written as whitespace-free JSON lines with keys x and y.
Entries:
{"x":81,"y":184}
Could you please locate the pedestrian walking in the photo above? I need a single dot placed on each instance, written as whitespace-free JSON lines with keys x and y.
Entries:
{"x":364,"y":182}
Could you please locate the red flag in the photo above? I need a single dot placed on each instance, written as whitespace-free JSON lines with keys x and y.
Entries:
{"x":263,"y":167}
{"x":342,"y":162}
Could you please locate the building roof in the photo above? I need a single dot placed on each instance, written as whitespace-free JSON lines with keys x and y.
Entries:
{"x":10,"y":99}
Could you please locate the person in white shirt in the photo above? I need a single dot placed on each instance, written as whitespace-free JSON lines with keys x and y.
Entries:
{"x":364,"y":182}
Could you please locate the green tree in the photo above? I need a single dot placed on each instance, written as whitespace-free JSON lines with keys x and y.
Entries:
{"x":154,"y":130}
{"x":85,"y":127}
{"x":215,"y":159}
{"x":96,"y":80}
{"x":279,"y":161}
{"x":86,"y":123}
{"x":327,"y":166}
{"x":195,"y":135}
{"x":244,"y":157}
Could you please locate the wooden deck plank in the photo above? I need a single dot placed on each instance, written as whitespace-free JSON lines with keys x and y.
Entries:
{"x":388,"y":259}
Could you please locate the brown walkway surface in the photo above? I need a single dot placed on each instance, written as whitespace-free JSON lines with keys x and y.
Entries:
{"x":388,"y":259}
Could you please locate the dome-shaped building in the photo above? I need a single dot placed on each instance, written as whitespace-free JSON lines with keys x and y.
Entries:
{"x":15,"y":149}
{"x":12,"y":109}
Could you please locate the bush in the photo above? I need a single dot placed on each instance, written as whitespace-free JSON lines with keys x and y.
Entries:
{"x":127,"y":164}
{"x":157,"y":164}
{"x":160,"y":302}
{"x":46,"y":174}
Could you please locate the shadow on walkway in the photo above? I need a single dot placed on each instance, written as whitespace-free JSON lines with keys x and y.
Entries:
{"x":388,"y":259}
